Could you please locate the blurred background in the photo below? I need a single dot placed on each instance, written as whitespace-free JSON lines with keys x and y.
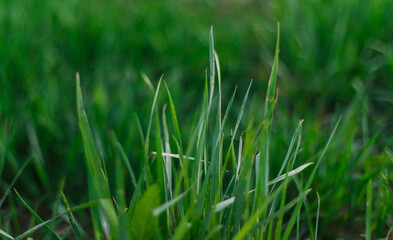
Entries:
{"x":336,"y":58}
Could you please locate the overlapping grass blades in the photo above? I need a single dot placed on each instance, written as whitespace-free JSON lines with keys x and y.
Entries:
{"x":103,"y":216}
{"x":205,"y":188}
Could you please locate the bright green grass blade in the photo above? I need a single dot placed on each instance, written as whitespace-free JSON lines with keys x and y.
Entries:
{"x":93,"y":159}
{"x":241,"y":195}
{"x":262,"y":175}
{"x":174,"y":117}
{"x":153,"y":107}
{"x":143,"y":224}
{"x":37,"y":218}
{"x":6,"y":234}
{"x":168,"y":159}
{"x":159,"y":164}
{"x":201,"y":140}
{"x":297,"y":135}
{"x":74,"y":225}
{"x":240,"y":115}
{"x":182,"y":174}
{"x":369,"y":209}
{"x":212,"y":68}
{"x":181,"y":231}
{"x":239,"y":159}
{"x":97,"y":180}
{"x":124,"y":157}
{"x":95,"y":211}
{"x":147,"y":138}
{"x":271,"y":89}
{"x":158,"y":210}
{"x":219,"y":87}
{"x":43,"y":224}
{"x":17,"y":175}
{"x":216,"y":171}
{"x":317,"y":220}
{"x":219,"y":134}
{"x":167,"y":167}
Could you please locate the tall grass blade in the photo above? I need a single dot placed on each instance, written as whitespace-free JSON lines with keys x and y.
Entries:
{"x":262,"y":174}
{"x":153,"y":109}
{"x":174,"y":117}
{"x":97,"y":180}
{"x":125,"y":159}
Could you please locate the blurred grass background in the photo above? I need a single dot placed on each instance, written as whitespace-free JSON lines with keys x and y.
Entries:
{"x":336,"y":57}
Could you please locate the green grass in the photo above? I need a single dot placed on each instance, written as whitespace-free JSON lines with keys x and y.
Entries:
{"x":201,"y":151}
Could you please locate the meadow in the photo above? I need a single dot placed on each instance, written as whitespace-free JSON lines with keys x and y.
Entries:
{"x":182,"y":120}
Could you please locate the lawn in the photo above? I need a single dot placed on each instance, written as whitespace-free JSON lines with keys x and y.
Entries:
{"x":182,"y":120}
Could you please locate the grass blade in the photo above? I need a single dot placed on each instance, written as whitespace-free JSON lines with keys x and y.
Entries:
{"x":369,"y":209}
{"x":158,"y":210}
{"x":143,"y":224}
{"x":124,"y":158}
{"x":17,"y":175}
{"x":38,"y":218}
{"x":74,"y":226}
{"x":45,"y":223}
{"x":6,"y":234}
{"x":262,"y":174}
{"x":317,"y":220}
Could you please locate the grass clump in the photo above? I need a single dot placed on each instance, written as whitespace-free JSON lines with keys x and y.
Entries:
{"x":207,"y":187}
{"x":216,"y":178}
